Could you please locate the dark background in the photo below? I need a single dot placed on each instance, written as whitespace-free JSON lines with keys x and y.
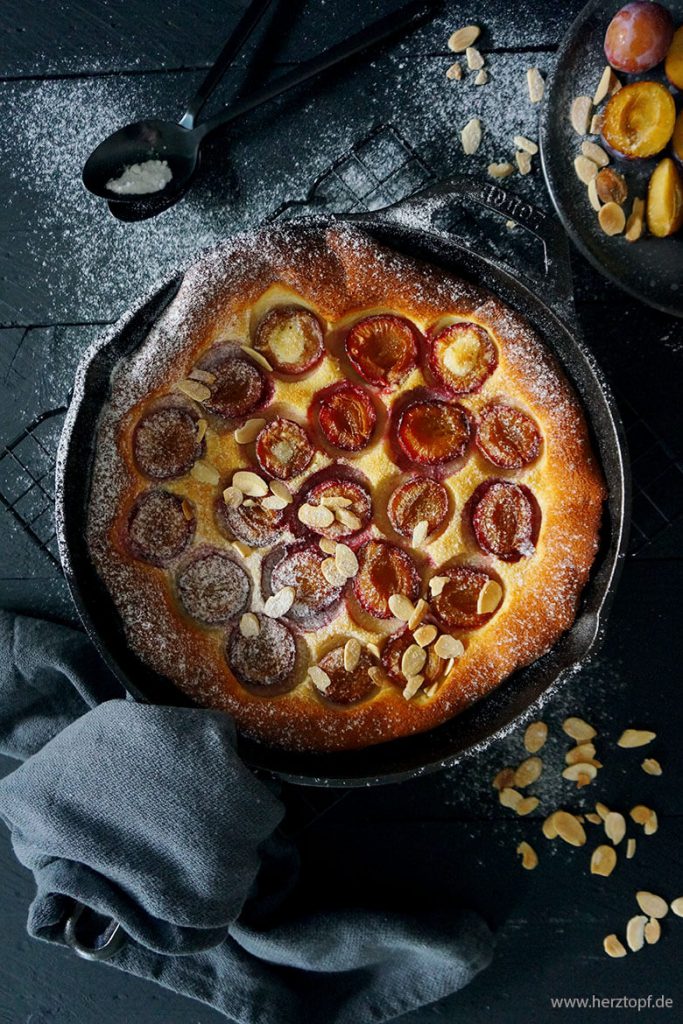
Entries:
{"x":69,"y":73}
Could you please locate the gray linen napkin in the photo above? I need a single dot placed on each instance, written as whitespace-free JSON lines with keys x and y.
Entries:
{"x":146,"y":814}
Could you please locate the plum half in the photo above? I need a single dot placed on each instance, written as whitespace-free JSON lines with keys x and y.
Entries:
{"x":382,"y":349}
{"x":665,"y":199}
{"x":639,"y":120}
{"x":638,"y":37}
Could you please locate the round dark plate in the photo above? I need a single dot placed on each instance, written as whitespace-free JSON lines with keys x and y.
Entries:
{"x":651,"y":269}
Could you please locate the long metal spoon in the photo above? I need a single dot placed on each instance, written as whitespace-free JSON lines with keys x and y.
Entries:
{"x":179,"y":144}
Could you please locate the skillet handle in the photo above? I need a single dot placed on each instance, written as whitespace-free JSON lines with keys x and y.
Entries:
{"x":419,"y":211}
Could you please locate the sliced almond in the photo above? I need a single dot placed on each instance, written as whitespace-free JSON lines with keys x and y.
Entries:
{"x":593,"y":196}
{"x":470,"y":136}
{"x":595,"y":153}
{"x":274,"y":502}
{"x":205,"y":473}
{"x":429,"y":691}
{"x":528,"y":855}
{"x":505,"y":779}
{"x":454,"y":72}
{"x":641,"y":814}
{"x":615,"y":827}
{"x":376,"y":674}
{"x":203,"y":375}
{"x":463,"y":37}
{"x":374,"y":650}
{"x":535,"y":736}
{"x":257,"y":357}
{"x":602,"y":809}
{"x":653,"y":931}
{"x":347,"y":518}
{"x":489,"y":598}
{"x":335,"y":501}
{"x":413,"y":660}
{"x":279,"y":604}
{"x":421,"y":609}
{"x":331,"y":572}
{"x":521,"y":142}
{"x":585,"y":169}
{"x":482,"y":77}
{"x":603,"y":86}
{"x":316,"y":516}
{"x":614,"y":84}
{"x":651,"y":766}
{"x":535,"y":85}
{"x":249,"y":625}
{"x":448,"y":646}
{"x":250,"y":483}
{"x":677,"y":906}
{"x":194,"y":389}
{"x":233,"y":497}
{"x":319,"y":678}
{"x":569,"y":828}
{"x":249,"y":431}
{"x":241,"y":548}
{"x":527,"y":805}
{"x":510,"y":797}
{"x":424,"y":635}
{"x":475,"y":61}
{"x":346,"y":561}
{"x":413,"y":684}
{"x":201,"y":430}
{"x":580,"y":114}
{"x":603,"y":860}
{"x":420,"y":533}
{"x":502,"y":170}
{"x":573,"y":772}
{"x":595,"y":125}
{"x":437,"y":583}
{"x":635,"y":932}
{"x":401,"y":607}
{"x":328,"y":546}
{"x":630,"y":848}
{"x":187,"y":510}
{"x":528,"y":771}
{"x":523,"y":161}
{"x":594,"y":819}
{"x":635,"y":738}
{"x":352,"y":652}
{"x":612,"y":219}
{"x":578,"y":730}
{"x":651,"y":825}
{"x":651,"y":904}
{"x":581,"y":752}
{"x":613,"y":947}
{"x":549,"y":827}
{"x":636,"y":220}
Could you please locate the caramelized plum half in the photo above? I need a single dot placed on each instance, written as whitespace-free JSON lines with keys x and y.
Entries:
{"x":283,"y":449}
{"x":158,"y":529}
{"x":240,"y":386}
{"x":346,"y":416}
{"x":347,"y":687}
{"x":456,"y":606}
{"x":300,"y":567}
{"x":433,"y":432}
{"x":384,"y":570}
{"x":382,"y":349}
{"x":338,"y":491}
{"x":213,"y":588}
{"x":638,"y":37}
{"x":291,"y":339}
{"x":639,"y":119}
{"x":508,"y":437}
{"x":503,"y":519}
{"x":417,"y":500}
{"x":392,"y":654}
{"x":251,"y":523}
{"x":665,"y":199}
{"x":165,"y":442}
{"x":265,"y":663}
{"x":462,"y":356}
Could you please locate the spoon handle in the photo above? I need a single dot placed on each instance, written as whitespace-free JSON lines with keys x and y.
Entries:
{"x":410,"y":15}
{"x":239,"y":36}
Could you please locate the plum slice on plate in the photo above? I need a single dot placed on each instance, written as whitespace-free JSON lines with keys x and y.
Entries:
{"x":283,"y":449}
{"x":239,"y":387}
{"x":346,"y":687}
{"x":392,"y":656}
{"x":346,"y":416}
{"x":382,"y":349}
{"x":159,"y":529}
{"x":291,"y":339}
{"x":300,"y":567}
{"x":462,"y":356}
{"x":384,"y":570}
{"x":420,"y":499}
{"x":456,"y":605}
{"x":349,"y":501}
{"x":266,"y":662}
{"x":433,"y":432}
{"x":504,"y":519}
{"x":507,"y":437}
{"x":165,"y":441}
{"x":213,"y":587}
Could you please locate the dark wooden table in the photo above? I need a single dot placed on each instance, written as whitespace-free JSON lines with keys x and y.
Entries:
{"x":70,"y":72}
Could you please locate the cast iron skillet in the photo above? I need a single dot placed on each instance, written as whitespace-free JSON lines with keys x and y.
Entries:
{"x":408,"y":226}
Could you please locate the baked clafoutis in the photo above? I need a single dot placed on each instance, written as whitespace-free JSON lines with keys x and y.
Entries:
{"x":338,"y":493}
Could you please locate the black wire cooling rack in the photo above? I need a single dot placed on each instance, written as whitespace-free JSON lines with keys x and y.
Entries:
{"x":378,"y":170}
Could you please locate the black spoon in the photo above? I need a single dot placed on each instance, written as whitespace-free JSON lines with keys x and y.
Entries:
{"x":178,"y":144}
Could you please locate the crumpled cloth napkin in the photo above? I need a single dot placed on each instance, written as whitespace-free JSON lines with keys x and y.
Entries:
{"x":147,"y":815}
